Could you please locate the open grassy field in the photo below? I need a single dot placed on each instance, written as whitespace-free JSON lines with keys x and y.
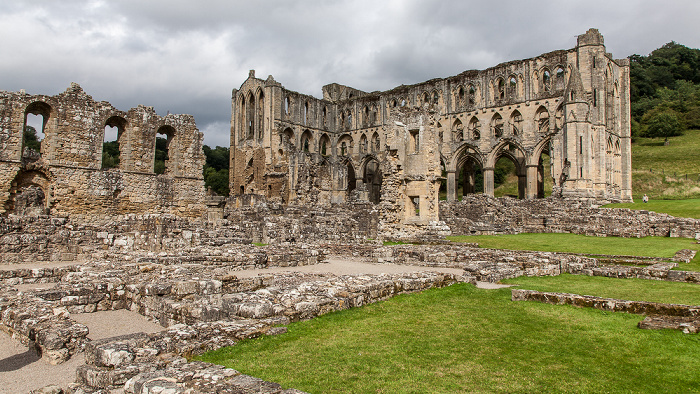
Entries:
{"x":575,"y":243}
{"x":463,"y":339}
{"x":627,"y":289}
{"x":681,"y":208}
{"x":659,"y":171}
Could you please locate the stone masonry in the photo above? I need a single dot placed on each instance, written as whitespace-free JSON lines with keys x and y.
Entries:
{"x":394,"y":148}
{"x":66,"y":177}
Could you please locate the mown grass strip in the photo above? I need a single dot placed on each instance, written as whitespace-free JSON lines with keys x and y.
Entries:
{"x":680,"y":208}
{"x":462,"y":339}
{"x":575,"y":243}
{"x":624,"y":289}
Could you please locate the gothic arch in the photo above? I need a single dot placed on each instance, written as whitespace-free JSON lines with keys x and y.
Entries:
{"x":30,"y":194}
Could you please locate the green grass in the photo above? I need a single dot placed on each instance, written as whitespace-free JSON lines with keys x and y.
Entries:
{"x":668,"y":165}
{"x":462,"y":339}
{"x":575,"y":243}
{"x":680,"y":208}
{"x":627,"y":289}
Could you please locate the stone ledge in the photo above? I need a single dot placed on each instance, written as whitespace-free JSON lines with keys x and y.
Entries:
{"x":606,"y":304}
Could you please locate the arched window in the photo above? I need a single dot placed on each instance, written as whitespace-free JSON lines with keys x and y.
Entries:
{"x":497,"y":125}
{"x":363,"y":144}
{"x":546,"y":80}
{"x":325,"y":145}
{"x":307,"y":141}
{"x":436,"y":97}
{"x":164,"y":137}
{"x":542,"y":119}
{"x":512,"y":86}
{"x":306,"y":112}
{"x":471,"y":100}
{"x":460,"y":96}
{"x":501,"y":89}
{"x":260,"y":127}
{"x":375,"y":143}
{"x":474,"y":126}
{"x":516,"y":122}
{"x":36,"y":117}
{"x":457,"y":131}
{"x":287,"y":105}
{"x":114,"y":128}
{"x":349,"y":120}
{"x":250,"y":117}
{"x":324,"y":113}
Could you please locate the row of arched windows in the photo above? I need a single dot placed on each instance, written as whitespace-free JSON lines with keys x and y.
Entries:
{"x":345,"y":144}
{"x":498,"y":128}
{"x":38,"y":114}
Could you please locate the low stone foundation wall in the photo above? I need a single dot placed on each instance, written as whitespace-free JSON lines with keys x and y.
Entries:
{"x":480,"y":214}
{"x":606,"y":304}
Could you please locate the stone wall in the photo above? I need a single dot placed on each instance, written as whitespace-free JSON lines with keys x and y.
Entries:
{"x":66,"y":176}
{"x":606,"y":304}
{"x":480,"y":214}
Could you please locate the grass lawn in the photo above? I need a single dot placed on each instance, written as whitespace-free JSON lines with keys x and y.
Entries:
{"x":659,"y":170}
{"x":627,"y":289}
{"x":575,"y":243}
{"x":462,"y":339}
{"x":681,"y":208}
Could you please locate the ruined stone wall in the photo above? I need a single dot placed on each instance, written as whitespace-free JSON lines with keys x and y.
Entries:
{"x":66,"y":178}
{"x":480,"y":214}
{"x":571,"y":105}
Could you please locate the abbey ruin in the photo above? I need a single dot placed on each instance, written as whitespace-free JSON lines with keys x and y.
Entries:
{"x":313,"y":182}
{"x":395,"y":147}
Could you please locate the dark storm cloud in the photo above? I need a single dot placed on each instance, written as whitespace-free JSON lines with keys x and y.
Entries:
{"x":186,"y":56}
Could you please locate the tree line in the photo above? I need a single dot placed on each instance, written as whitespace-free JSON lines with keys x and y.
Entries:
{"x":665,"y":91}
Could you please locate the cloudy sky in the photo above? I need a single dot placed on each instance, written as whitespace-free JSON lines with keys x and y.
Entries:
{"x":186,"y":56}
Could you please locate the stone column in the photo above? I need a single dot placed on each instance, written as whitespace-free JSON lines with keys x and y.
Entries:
{"x":531,"y":181}
{"x":451,"y":186}
{"x":488,"y":181}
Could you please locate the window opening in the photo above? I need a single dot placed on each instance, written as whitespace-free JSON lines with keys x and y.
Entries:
{"x":161,"y":154}
{"x":114,"y":128}
{"x":546,"y":80}
{"x":415,"y":205}
{"x":33,"y":134}
{"x":306,"y":112}
{"x":415,"y":141}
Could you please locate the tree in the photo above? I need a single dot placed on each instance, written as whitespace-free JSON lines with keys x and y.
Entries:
{"x":30,"y":138}
{"x":663,"y":124}
{"x":161,"y":155}
{"x":216,"y":169}
{"x":110,"y":154}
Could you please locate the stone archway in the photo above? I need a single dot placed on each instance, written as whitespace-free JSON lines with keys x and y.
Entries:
{"x":372,"y":179}
{"x":29,"y":194}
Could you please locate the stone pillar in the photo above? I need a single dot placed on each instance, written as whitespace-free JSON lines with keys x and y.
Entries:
{"x":451,"y":186}
{"x":531,"y":181}
{"x":488,"y":181}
